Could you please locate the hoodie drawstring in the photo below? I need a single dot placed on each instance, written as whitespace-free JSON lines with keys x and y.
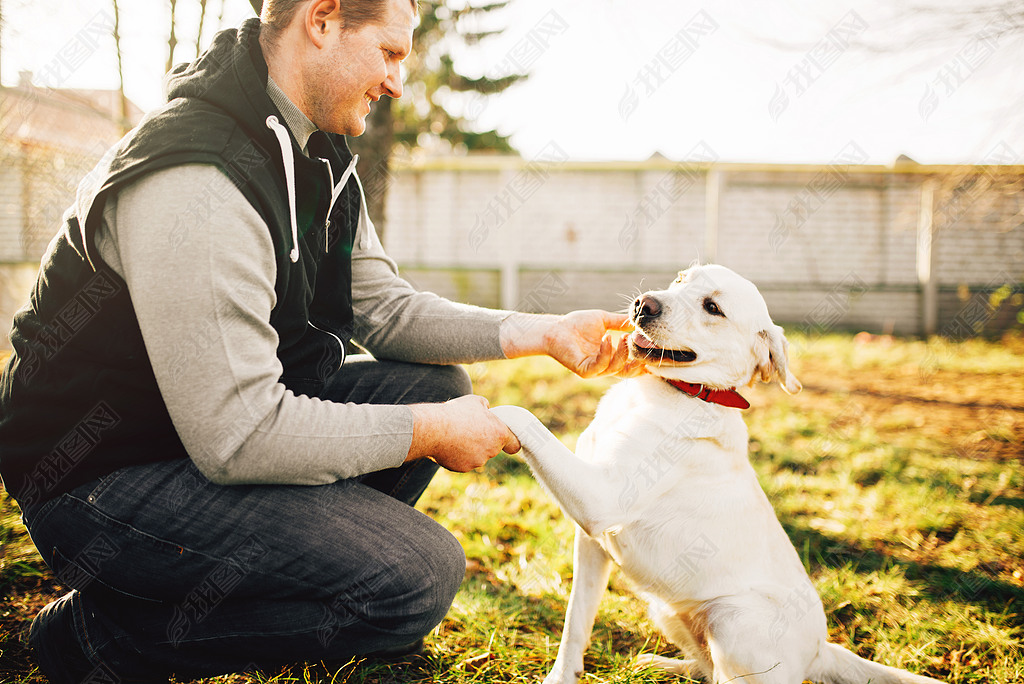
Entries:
{"x":364,"y":218}
{"x":289,"y":176}
{"x":336,"y":193}
{"x":283,"y":139}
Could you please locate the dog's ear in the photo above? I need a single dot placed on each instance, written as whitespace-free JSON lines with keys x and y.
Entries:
{"x":771,"y":350}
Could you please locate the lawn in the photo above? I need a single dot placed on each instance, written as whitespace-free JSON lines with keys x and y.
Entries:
{"x":897,"y":473}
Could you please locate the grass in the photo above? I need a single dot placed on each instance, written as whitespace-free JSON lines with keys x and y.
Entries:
{"x":897,"y":474}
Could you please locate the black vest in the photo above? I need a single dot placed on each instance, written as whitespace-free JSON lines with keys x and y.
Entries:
{"x":78,"y":398}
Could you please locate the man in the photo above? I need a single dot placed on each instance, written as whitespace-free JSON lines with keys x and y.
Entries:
{"x":191,"y":451}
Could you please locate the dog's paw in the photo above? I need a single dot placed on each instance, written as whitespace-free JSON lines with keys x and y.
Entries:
{"x":558,"y":676}
{"x":561,"y":680}
{"x":687,"y":668}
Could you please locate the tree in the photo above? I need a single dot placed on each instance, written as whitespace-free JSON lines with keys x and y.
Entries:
{"x":202,"y":21}
{"x":120,"y":68}
{"x":172,"y":38}
{"x":429,"y":111}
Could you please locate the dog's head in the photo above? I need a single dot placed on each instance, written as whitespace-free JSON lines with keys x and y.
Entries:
{"x":712,"y":327}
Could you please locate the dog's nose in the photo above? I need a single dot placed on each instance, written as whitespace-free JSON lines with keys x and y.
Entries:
{"x":646,"y":307}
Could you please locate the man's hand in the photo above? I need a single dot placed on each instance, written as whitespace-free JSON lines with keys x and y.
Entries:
{"x":580,"y":341}
{"x":460,"y":434}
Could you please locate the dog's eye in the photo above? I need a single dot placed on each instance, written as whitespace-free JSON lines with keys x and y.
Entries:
{"x":712,"y":308}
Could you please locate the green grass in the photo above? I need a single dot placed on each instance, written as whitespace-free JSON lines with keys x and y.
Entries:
{"x":897,"y":474}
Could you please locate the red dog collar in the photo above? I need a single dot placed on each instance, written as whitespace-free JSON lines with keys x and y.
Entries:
{"x":729,"y":397}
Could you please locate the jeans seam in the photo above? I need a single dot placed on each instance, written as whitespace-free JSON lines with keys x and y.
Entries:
{"x":260,"y":633}
{"x":82,"y":630}
{"x":223,"y":558}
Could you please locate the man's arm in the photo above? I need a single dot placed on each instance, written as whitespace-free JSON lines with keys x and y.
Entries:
{"x":203,"y":289}
{"x":580,"y":341}
{"x":396,"y":321}
{"x":393,"y":320}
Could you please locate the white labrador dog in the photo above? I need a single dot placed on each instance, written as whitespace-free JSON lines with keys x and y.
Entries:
{"x":662,"y":487}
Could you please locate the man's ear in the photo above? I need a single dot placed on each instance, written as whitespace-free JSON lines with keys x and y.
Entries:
{"x":771,"y":351}
{"x":315,"y":19}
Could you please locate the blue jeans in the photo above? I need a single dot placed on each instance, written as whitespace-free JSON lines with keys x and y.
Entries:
{"x":173,"y":574}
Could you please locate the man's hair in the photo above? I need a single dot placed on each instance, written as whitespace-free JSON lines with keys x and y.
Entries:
{"x":277,"y":14}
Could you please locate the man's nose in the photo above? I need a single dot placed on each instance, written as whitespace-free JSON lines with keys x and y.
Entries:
{"x":393,"y":82}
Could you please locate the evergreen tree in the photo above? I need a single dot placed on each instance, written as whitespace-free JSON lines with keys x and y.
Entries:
{"x":438,"y":102}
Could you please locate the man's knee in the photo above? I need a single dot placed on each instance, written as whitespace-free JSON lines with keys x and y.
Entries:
{"x":430,"y":578}
{"x":412,"y":591}
{"x":452,"y":381}
{"x":437,"y":582}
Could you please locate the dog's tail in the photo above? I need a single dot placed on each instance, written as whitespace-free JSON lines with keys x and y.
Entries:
{"x":836,"y":665}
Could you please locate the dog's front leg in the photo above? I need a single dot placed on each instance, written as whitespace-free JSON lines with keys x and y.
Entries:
{"x":591,"y":567}
{"x":583,"y":490}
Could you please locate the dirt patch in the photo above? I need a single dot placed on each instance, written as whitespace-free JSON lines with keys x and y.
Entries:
{"x":976,"y":415}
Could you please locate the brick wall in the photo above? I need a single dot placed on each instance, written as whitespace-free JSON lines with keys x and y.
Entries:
{"x":11,"y":204}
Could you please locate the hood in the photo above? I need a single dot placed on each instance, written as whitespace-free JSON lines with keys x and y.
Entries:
{"x":231,"y":76}
{"x":228,"y":81}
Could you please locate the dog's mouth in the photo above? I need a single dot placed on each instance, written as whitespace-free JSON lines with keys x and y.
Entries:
{"x":643,"y":347}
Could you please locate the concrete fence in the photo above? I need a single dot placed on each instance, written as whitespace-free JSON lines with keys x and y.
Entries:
{"x":906,"y":249}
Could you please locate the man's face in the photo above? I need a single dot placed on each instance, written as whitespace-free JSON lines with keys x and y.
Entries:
{"x":355,"y":67}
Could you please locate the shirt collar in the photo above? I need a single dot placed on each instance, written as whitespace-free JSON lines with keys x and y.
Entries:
{"x":297,"y":122}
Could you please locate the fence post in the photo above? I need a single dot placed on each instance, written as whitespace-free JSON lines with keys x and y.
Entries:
{"x":509,"y":283}
{"x":926,"y":259}
{"x":712,"y":191}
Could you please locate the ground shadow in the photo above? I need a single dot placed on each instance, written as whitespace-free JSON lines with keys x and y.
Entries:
{"x":973,"y":587}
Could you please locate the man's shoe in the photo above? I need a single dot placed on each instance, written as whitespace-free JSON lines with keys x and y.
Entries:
{"x":397,"y":652}
{"x":54,"y":641}
{"x":55,"y":644}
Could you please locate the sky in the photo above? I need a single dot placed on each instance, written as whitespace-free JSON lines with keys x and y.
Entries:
{"x":786,"y":81}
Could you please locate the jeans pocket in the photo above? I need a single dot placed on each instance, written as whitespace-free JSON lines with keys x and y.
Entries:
{"x":79,"y":572}
{"x":83,"y":546}
{"x":94,"y":490}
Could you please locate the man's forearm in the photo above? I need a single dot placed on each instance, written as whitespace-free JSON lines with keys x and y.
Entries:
{"x":525,"y":334}
{"x":581,"y":340}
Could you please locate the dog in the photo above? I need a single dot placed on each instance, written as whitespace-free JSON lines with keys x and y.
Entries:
{"x":661,"y":486}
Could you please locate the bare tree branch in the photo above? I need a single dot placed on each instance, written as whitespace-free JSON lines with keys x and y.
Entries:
{"x":199,"y":31}
{"x":125,"y":125}
{"x":172,"y":41}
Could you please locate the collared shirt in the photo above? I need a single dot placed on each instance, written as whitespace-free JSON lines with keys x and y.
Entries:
{"x":297,"y":122}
